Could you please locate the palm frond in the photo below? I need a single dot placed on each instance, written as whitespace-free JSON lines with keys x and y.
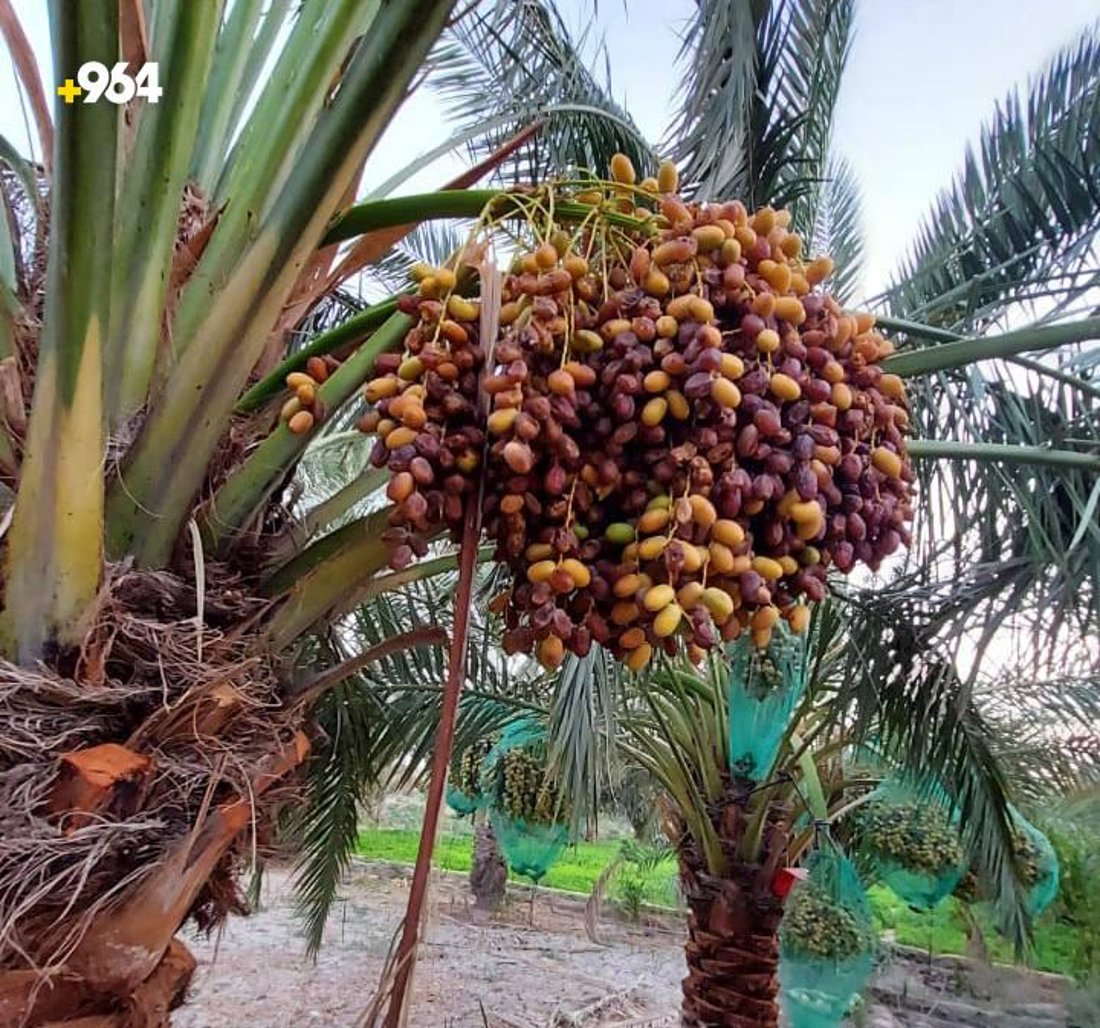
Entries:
{"x":709,"y":134}
{"x":325,"y":827}
{"x":1018,"y":225}
{"x":906,"y":697}
{"x":756,"y":111}
{"x":1044,"y":732}
{"x":581,"y":731}
{"x":1001,"y":542}
{"x":819,"y":43}
{"x":837,"y":229}
{"x":324,"y":470}
{"x":677,"y":731}
{"x":517,"y":58}
{"x":378,"y":727}
{"x":1015,"y":237}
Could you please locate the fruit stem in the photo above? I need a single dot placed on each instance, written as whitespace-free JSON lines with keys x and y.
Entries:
{"x":405,"y":957}
{"x":459,"y":203}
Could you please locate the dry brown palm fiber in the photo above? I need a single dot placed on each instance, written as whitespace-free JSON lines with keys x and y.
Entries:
{"x":198,"y":728}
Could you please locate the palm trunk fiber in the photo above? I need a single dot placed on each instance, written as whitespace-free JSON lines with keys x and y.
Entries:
{"x":123,"y":967}
{"x":732,"y":954}
{"x":732,"y":951}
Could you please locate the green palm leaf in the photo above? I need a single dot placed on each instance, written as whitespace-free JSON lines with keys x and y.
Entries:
{"x":709,"y":134}
{"x":325,"y":827}
{"x":518,"y":59}
{"x":434,"y":242}
{"x":1003,"y":540}
{"x":1017,"y":225}
{"x":582,"y":730}
{"x":756,"y":113}
{"x":378,"y":727}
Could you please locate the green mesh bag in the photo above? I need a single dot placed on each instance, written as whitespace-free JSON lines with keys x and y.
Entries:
{"x":462,"y":803}
{"x":1038,"y":864}
{"x":826,"y":943}
{"x":911,"y":841}
{"x":464,"y":784}
{"x":763,"y":689}
{"x":529,"y":818}
{"x":523,"y":731}
{"x":529,"y":848}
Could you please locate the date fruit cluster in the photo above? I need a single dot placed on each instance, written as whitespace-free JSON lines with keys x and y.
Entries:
{"x":676,"y":432}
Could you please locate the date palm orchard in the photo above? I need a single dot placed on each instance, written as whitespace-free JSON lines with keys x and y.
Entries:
{"x":156,"y":603}
{"x":970,"y":271}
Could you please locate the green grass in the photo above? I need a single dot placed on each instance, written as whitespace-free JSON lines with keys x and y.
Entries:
{"x":582,"y":864}
{"x":942,"y":930}
{"x":576,"y":871}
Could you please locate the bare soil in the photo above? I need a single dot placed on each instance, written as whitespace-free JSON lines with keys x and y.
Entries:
{"x":531,"y":966}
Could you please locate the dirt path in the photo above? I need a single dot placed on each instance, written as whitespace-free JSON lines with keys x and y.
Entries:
{"x":506,"y":971}
{"x":523,"y":975}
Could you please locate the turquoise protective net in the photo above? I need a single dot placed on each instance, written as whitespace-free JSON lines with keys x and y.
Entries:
{"x":529,"y":848}
{"x":467,"y":786}
{"x":528,"y":818}
{"x":763,"y":689}
{"x":1038,"y":864}
{"x":826,"y":943}
{"x":910,"y":840}
{"x":523,"y":731}
{"x":461,"y":803}
{"x":465,"y":794}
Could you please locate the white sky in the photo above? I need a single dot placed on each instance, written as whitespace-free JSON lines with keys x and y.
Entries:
{"x":923,"y":76}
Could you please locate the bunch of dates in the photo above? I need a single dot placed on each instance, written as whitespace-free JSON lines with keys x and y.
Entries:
{"x":675,"y":432}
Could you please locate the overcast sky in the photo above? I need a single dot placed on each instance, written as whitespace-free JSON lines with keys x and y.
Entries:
{"x":923,"y":76}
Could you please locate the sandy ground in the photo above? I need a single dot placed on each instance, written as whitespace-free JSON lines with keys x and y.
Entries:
{"x":504,"y":971}
{"x":533,"y":966}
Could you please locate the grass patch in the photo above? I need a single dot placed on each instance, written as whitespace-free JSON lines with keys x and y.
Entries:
{"x":580,"y":866}
{"x":942,"y":930}
{"x":576,"y":871}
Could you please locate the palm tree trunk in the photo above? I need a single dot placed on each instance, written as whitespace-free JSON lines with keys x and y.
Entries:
{"x":489,"y":873}
{"x":732,"y":951}
{"x":125,"y":968}
{"x":148,"y":1004}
